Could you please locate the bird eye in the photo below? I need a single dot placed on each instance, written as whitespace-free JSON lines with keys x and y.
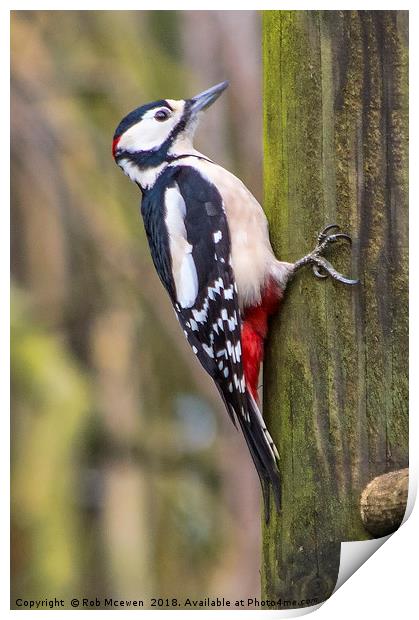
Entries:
{"x":162,"y":115}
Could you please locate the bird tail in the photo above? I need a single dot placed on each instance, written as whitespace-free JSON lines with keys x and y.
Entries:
{"x":264,"y":453}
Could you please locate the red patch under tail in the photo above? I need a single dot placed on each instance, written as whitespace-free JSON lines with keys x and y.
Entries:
{"x":254,"y":332}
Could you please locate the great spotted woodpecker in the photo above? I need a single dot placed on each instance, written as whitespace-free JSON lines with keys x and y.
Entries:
{"x":210,"y":245}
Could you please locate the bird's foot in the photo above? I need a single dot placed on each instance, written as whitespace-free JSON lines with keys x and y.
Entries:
{"x":321,"y":267}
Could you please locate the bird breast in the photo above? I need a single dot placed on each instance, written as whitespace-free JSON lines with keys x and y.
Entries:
{"x":252,"y":258}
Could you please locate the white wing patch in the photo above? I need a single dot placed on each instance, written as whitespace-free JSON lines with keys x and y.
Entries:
{"x":183,"y":264}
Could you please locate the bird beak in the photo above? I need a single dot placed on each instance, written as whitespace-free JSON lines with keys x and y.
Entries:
{"x":205,"y":99}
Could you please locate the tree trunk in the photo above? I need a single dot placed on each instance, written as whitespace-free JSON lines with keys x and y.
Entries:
{"x":335,"y":378}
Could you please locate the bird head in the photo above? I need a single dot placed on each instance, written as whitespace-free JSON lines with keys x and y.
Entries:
{"x":153,"y":133}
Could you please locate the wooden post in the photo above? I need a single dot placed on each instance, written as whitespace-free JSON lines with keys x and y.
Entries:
{"x":335,"y":378}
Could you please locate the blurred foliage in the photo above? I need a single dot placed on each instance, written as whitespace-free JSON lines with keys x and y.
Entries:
{"x":115,"y":489}
{"x":46,"y":381}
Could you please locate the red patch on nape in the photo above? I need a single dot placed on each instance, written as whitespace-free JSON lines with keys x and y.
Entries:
{"x":115,"y":145}
{"x":254,"y":332}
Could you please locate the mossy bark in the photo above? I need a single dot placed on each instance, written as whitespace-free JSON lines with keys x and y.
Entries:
{"x":335,"y":377}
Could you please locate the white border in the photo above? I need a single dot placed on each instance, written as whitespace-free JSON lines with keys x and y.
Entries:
{"x":385,"y":586}
{"x":133,"y":5}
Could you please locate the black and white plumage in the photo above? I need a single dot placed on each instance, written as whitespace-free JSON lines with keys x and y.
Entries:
{"x":190,"y":245}
{"x":190,"y":236}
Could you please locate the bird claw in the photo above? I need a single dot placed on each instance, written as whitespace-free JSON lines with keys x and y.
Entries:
{"x":323,"y":240}
{"x":321,"y":267}
{"x":323,"y":234}
{"x":318,"y":273}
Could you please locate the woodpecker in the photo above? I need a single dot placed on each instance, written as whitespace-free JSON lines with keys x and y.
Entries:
{"x":209,"y":242}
